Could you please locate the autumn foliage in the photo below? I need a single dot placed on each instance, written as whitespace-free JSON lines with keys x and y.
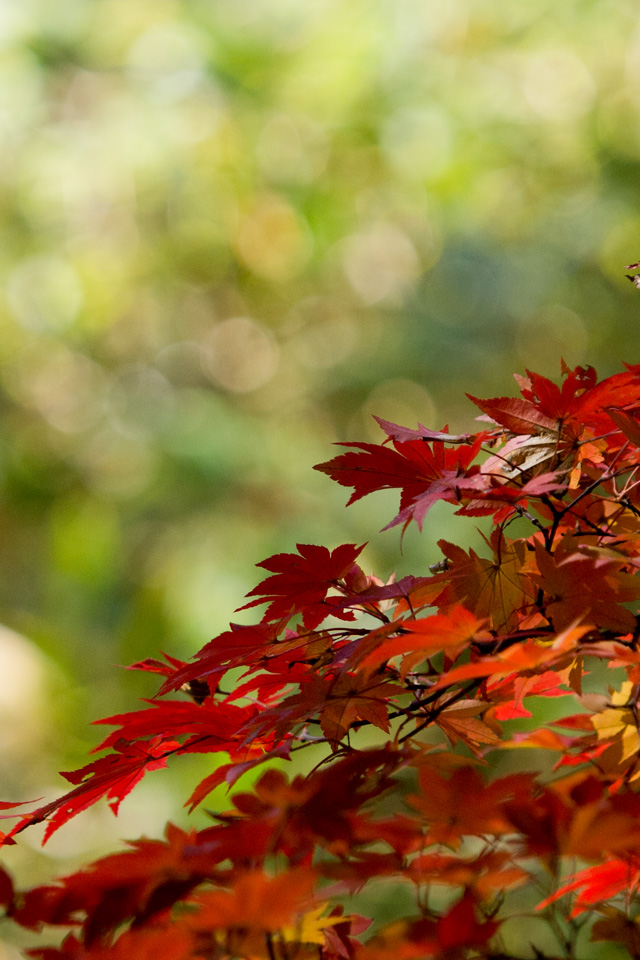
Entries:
{"x":471,"y":732}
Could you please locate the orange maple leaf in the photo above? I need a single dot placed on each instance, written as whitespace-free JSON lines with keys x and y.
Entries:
{"x":450,"y":632}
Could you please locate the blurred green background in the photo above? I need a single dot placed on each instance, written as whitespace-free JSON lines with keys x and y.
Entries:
{"x":231,"y":230}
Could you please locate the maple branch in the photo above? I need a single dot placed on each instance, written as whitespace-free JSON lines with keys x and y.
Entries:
{"x":609,"y":474}
{"x":627,"y":503}
{"x":436,"y":711}
{"x":500,"y":643}
{"x":567,"y":508}
{"x":549,"y":535}
{"x":530,"y":517}
{"x":629,"y":485}
{"x":269,"y":942}
{"x":594,"y":527}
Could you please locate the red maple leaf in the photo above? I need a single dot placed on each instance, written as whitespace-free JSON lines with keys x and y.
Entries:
{"x":113,"y":777}
{"x":424,"y":473}
{"x":301,"y":582}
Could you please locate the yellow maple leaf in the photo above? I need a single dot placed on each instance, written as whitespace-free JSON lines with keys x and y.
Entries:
{"x":618,"y":725}
{"x":310,"y":926}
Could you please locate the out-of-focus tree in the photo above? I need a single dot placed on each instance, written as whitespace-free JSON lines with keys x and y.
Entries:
{"x":233,"y":230}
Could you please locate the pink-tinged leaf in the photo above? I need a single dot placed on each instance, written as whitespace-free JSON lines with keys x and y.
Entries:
{"x":489,"y":500}
{"x":423,"y":473}
{"x":450,"y":488}
{"x":543,"y":483}
{"x":395,"y":432}
{"x":399,"y":590}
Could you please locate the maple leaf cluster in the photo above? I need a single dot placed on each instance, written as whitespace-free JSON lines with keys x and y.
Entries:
{"x":451,"y":672}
